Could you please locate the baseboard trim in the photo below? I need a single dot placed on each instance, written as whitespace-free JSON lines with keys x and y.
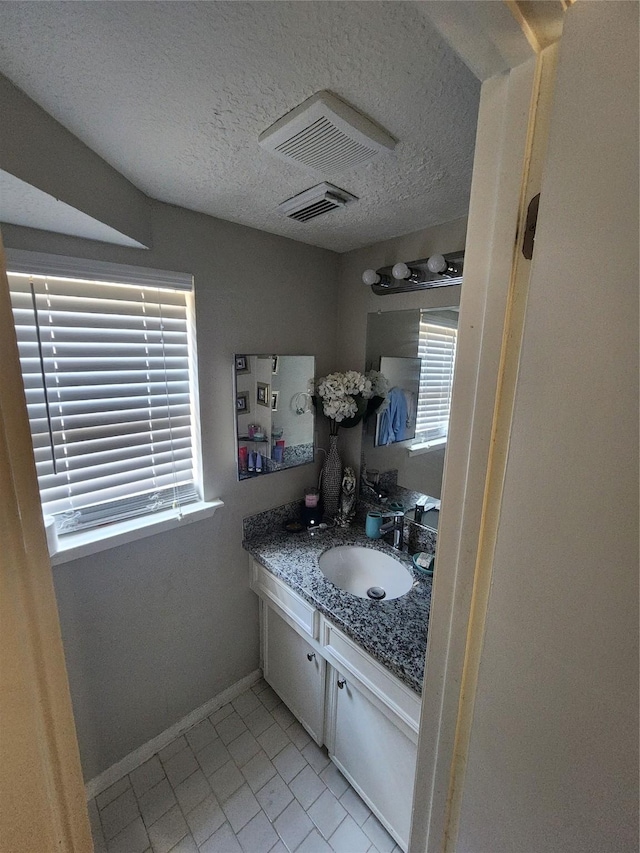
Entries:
{"x":147,"y":750}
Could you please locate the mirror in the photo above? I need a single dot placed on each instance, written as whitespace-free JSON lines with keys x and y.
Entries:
{"x":274,"y":415}
{"x":405,"y":444}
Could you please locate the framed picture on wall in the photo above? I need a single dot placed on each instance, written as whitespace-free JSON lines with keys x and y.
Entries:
{"x":262,"y":394}
{"x":274,"y":401}
{"x":274,"y":364}
{"x":242,"y":403}
{"x":242,"y":364}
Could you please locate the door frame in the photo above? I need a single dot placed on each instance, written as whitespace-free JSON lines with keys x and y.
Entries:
{"x":509,"y":155}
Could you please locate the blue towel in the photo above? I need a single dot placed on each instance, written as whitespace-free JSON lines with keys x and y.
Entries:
{"x":393,"y":421}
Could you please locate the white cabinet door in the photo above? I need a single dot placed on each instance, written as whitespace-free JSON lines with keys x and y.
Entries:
{"x":376,"y":757}
{"x":295,"y":671}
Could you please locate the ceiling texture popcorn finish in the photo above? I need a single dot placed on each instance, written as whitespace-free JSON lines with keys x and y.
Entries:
{"x":175,"y":96}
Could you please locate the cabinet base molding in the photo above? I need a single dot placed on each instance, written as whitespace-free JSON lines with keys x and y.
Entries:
{"x":143,"y":753}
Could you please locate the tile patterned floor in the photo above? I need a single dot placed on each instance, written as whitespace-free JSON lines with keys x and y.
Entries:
{"x":248,"y":779}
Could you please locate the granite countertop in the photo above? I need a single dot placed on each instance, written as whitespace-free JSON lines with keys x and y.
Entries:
{"x":393,"y":632}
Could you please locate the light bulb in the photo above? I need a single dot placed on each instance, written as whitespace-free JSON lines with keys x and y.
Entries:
{"x":370,"y":277}
{"x":401,"y":271}
{"x":437,"y":264}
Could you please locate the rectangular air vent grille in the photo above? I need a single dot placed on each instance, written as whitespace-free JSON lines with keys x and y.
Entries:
{"x":326,"y":135}
{"x":315,"y":202}
{"x":323,"y":147}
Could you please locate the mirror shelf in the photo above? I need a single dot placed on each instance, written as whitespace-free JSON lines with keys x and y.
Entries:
{"x":274,"y":423}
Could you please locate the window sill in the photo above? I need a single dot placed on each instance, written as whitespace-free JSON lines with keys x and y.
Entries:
{"x":427,"y":446}
{"x":75,"y":545}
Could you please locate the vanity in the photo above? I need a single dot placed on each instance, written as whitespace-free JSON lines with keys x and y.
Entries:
{"x":349,"y":668}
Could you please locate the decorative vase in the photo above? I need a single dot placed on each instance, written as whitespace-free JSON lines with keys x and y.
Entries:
{"x":332,"y":478}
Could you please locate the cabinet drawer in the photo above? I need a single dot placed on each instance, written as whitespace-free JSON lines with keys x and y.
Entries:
{"x":271,"y":588}
{"x":346,"y":655}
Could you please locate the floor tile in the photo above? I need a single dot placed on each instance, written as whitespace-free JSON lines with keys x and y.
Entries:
{"x":269,"y":698}
{"x":132,"y":839}
{"x":240,"y":808}
{"x":220,"y":714}
{"x":356,"y":807}
{"x":243,"y":748}
{"x":112,"y":792}
{"x":279,"y":848}
{"x":258,"y":721}
{"x":378,"y":835}
{"x":327,"y":813}
{"x":293,"y":825}
{"x":187,"y":845}
{"x":298,"y":735}
{"x":258,"y":771}
{"x":230,"y":728}
{"x":199,"y":736}
{"x":226,"y":780}
{"x":192,"y":790}
{"x":213,"y":756}
{"x":222,"y":841}
{"x":274,"y":797}
{"x":258,"y":836}
{"x":349,"y":838}
{"x":273,"y":740}
{"x":156,"y":801}
{"x":168,"y":830}
{"x":180,"y":765}
{"x":146,"y":775}
{"x":246,"y":702}
{"x":119,"y":813}
{"x":334,"y":780}
{"x":259,"y":686}
{"x":316,"y":756}
{"x":307,"y":786}
{"x":314,"y":843}
{"x":205,"y":819}
{"x":282,"y":715}
{"x":172,"y":748}
{"x":289,"y":762}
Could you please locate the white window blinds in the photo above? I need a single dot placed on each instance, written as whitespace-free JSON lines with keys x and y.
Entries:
{"x":107,"y":379}
{"x":437,"y":349}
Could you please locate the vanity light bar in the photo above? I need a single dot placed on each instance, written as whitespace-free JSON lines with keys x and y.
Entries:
{"x":435,"y":271}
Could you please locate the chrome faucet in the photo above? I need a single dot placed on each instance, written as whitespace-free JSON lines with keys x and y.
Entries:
{"x":395,"y":523}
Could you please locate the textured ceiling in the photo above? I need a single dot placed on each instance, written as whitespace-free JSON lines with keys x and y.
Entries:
{"x":175,"y":95}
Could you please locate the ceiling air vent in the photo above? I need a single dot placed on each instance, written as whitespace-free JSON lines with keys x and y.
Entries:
{"x":326,"y":135}
{"x":314,"y":202}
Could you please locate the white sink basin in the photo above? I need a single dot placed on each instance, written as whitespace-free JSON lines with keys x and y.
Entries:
{"x":365,"y":572}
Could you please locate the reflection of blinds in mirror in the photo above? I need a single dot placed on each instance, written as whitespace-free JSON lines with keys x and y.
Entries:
{"x":106,"y":374}
{"x":437,"y":351}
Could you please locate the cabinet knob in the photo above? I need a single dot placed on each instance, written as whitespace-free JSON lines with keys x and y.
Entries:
{"x":310,"y":656}
{"x":341,"y":683}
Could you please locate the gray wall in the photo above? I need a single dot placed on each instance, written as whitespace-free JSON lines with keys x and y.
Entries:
{"x":156,"y":628}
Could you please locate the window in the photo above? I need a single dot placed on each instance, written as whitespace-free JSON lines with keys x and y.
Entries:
{"x":437,"y":349}
{"x":107,"y":372}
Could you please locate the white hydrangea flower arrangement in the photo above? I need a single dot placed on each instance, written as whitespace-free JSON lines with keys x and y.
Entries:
{"x":346,"y":397}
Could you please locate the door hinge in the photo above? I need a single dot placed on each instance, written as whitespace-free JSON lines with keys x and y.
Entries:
{"x":530,"y":227}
